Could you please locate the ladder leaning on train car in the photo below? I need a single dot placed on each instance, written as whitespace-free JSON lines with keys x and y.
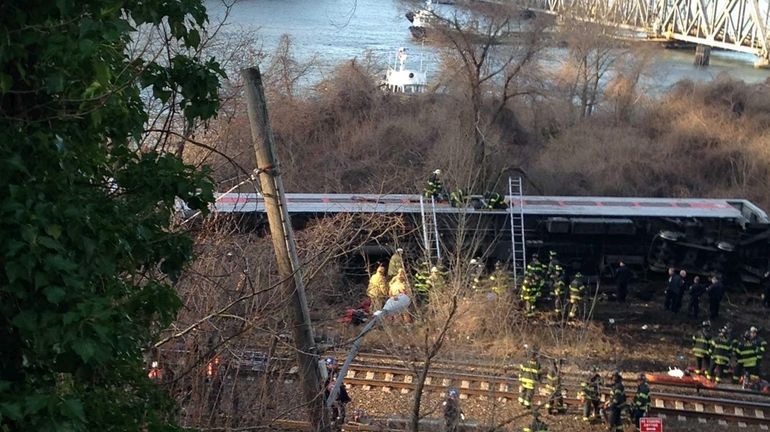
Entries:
{"x":518,"y":243}
{"x":430,"y":236}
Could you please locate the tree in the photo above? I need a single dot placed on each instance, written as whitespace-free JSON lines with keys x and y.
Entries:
{"x":492,"y":58}
{"x":89,"y":251}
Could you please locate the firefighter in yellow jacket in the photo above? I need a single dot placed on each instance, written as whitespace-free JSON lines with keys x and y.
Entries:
{"x":378,"y":288}
{"x":400,"y":285}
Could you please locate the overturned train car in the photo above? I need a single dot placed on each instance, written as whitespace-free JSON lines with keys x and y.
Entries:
{"x":591,"y":234}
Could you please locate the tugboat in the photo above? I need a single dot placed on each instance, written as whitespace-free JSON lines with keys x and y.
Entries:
{"x":422,"y":20}
{"x":399,"y":79}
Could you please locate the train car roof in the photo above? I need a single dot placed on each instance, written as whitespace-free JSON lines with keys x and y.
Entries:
{"x":738,"y":209}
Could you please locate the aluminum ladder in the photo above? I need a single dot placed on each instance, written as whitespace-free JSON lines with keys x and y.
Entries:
{"x":518,"y":242}
{"x":430,"y":236}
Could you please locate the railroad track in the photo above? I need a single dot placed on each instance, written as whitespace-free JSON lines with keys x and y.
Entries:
{"x":505,"y":389}
{"x":508,"y":369}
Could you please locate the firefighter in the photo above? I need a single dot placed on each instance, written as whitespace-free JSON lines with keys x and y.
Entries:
{"x":500,"y":280}
{"x":377,"y":291}
{"x":396,"y":263}
{"x":559,"y":291}
{"x":555,"y":403}
{"x":551,"y":273}
{"x":452,"y":412}
{"x":435,"y":188}
{"x":746,"y":360}
{"x":494,"y":201}
{"x":615,"y":404}
{"x":422,"y":283}
{"x":436,"y":280}
{"x":701,"y":349}
{"x":761,"y":346}
{"x":537,"y":425}
{"x":721,"y":351}
{"x":529,"y":375}
{"x":529,"y":295}
{"x":399,"y":285}
{"x":477,"y":271}
{"x":589,"y":395}
{"x":458,"y":198}
{"x":641,"y":400}
{"x":536,"y":267}
{"x":576,"y":291}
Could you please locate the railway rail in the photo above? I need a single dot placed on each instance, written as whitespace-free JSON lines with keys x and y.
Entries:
{"x":504,"y":389}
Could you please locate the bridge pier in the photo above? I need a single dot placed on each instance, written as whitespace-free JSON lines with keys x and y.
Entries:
{"x":762,"y":63}
{"x":702,"y":55}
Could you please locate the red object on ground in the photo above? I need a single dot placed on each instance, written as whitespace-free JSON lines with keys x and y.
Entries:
{"x":693,"y":380}
{"x":358,"y":315}
{"x":650,"y":424}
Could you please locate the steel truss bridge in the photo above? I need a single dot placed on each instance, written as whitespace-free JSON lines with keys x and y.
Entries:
{"x":735,"y":25}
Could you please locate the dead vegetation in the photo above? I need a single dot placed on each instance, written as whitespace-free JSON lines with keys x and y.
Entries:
{"x":344,"y":135}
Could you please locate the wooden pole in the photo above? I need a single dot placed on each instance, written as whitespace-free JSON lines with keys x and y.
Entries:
{"x":285,"y":247}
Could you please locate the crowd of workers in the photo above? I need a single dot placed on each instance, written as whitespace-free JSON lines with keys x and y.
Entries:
{"x":459,"y":197}
{"x":722,"y":354}
{"x":531,"y":375}
{"x":678,"y":285}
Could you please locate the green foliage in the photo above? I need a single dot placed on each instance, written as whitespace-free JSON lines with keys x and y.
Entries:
{"x":87,"y":251}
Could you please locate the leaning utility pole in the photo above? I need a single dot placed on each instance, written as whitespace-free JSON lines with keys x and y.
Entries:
{"x":285,"y":247}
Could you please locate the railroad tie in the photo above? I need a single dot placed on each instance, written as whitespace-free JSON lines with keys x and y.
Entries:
{"x":679,"y":405}
{"x":389,"y":378}
{"x":742,"y":425}
{"x":738,"y":411}
{"x":718,"y":409}
{"x":503,"y":389}
{"x":428,"y":380}
{"x":408,"y":380}
{"x":699,"y":407}
{"x":369,"y":376}
{"x":722,"y":422}
{"x":351,"y":374}
{"x":466,"y":385}
{"x":702,"y":420}
{"x":763,"y":426}
{"x":758,"y":413}
{"x":484,"y":386}
{"x":660,"y":403}
{"x":445,"y":382}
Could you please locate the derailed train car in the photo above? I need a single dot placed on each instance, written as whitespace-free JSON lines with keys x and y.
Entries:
{"x":591,"y":234}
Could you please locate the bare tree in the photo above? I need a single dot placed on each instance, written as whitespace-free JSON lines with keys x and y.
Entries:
{"x":491,"y":57}
{"x":594,"y":50}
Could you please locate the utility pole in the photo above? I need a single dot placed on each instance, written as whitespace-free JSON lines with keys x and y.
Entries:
{"x":285,"y":247}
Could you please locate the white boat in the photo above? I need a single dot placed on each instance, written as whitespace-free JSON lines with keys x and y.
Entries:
{"x":399,"y":79}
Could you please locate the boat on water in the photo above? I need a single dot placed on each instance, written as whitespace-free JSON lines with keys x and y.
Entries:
{"x":428,"y":24}
{"x":422,"y":20}
{"x":399,"y":79}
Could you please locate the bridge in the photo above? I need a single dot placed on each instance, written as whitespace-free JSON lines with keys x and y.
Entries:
{"x":735,"y":25}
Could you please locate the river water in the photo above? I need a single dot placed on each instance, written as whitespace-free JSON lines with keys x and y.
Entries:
{"x":337,"y":30}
